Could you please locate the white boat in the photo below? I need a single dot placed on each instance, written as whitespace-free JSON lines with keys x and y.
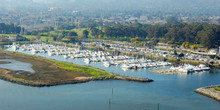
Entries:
{"x":23,"y":49}
{"x":72,"y":56}
{"x":197,"y":69}
{"x":95,"y":59}
{"x":126,"y":66}
{"x":50,"y":53}
{"x":107,"y":64}
{"x":145,"y":65}
{"x":204,"y":67}
{"x":139,"y":66}
{"x":42,"y":51}
{"x":184,"y":70}
{"x":14,"y":47}
{"x":34,"y":51}
{"x":87,"y":60}
{"x":134,"y":66}
{"x":65,"y":56}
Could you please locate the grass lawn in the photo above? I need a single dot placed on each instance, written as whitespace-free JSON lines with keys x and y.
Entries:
{"x":217,"y":88}
{"x":79,"y":31}
{"x":29,"y":36}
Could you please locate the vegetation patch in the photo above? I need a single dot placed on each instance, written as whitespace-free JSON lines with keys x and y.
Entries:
{"x":47,"y":39}
{"x":95,"y":72}
{"x":217,"y":88}
{"x":29,"y":36}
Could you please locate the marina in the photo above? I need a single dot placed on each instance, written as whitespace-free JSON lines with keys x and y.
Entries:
{"x":178,"y":88}
{"x":107,"y":59}
{"x":185,"y":69}
{"x":89,"y":56}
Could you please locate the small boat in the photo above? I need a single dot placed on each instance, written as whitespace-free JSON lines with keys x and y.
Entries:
{"x":184,"y":70}
{"x":197,"y":69}
{"x":14,"y":47}
{"x":72,"y":56}
{"x":87,"y":60}
{"x":50,"y":53}
{"x":204,"y":67}
{"x":65,"y":56}
{"x":134,"y":66}
{"x":33,"y":51}
{"x":126,"y":66}
{"x":107,"y":64}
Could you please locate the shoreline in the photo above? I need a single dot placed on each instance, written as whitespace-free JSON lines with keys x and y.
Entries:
{"x":4,"y":62}
{"x":209,"y":92}
{"x":76,"y":81}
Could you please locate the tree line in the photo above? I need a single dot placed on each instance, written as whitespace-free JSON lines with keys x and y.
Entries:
{"x":9,"y":29}
{"x":205,"y":34}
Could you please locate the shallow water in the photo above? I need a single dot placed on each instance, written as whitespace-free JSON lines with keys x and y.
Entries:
{"x":16,"y":65}
{"x":173,"y":92}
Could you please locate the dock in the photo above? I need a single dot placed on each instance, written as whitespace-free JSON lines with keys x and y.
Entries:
{"x":165,"y":71}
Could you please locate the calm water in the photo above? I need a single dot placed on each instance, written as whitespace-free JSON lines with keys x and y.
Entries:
{"x":173,"y":92}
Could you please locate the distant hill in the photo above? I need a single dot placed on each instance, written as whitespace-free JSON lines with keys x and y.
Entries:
{"x":129,"y":4}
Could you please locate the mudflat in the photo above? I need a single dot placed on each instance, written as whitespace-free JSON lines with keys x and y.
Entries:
{"x":45,"y":71}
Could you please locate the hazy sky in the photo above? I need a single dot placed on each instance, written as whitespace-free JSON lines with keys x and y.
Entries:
{"x":114,"y":4}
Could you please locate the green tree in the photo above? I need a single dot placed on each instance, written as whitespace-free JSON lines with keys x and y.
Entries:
{"x":72,"y":33}
{"x":209,"y":36}
{"x":85,"y":33}
{"x":64,"y":33}
{"x":172,"y":20}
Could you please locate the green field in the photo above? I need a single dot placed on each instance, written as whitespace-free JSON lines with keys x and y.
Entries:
{"x":95,"y":72}
{"x":46,"y":38}
{"x":217,"y":88}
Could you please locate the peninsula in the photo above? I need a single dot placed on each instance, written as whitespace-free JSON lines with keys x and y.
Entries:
{"x":51,"y":72}
{"x":211,"y":91}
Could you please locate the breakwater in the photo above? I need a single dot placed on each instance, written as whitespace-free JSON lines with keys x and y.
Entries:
{"x":209,"y":92}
